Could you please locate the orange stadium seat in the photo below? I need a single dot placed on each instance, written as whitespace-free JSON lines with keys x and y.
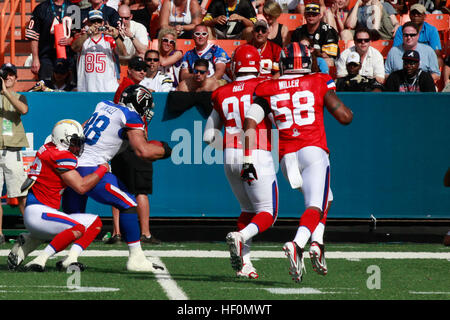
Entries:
{"x":383,"y":46}
{"x":441,"y":22}
{"x":185,"y":45}
{"x":229,"y":45}
{"x":291,"y":20}
{"x":154,"y":25}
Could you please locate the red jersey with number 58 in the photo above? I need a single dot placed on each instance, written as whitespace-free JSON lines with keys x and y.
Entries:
{"x":49,"y":163}
{"x":232,"y":101}
{"x":297,"y":107}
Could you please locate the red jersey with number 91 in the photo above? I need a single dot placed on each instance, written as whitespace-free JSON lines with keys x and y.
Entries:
{"x":297,"y":107}
{"x":46,"y":169}
{"x":232,"y":102}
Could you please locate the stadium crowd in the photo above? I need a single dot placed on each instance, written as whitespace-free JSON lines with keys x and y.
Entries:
{"x":109,"y":33}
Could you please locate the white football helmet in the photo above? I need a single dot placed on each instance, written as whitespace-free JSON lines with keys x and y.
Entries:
{"x":68,"y":134}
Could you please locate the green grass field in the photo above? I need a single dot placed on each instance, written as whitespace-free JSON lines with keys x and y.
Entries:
{"x":201,"y":271}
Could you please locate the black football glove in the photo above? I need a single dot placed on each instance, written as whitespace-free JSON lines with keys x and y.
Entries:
{"x":248,"y":173}
{"x":167,"y":150}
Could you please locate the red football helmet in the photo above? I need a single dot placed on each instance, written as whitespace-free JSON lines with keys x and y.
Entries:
{"x":295,"y":58}
{"x":246,"y":58}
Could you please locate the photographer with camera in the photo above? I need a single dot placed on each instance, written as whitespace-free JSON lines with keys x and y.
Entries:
{"x":12,"y":138}
{"x":97,"y":45}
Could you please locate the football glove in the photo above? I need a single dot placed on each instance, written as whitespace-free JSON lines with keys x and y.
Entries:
{"x":248,"y":173}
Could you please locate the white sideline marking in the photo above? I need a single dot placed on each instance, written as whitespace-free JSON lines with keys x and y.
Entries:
{"x":170,"y":287}
{"x":255,"y":254}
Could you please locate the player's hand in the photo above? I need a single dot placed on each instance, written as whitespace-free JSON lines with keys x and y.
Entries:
{"x":165,"y":145}
{"x":248,"y":173}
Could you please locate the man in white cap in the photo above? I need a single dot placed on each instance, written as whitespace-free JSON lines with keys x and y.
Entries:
{"x":97,"y":67}
{"x":354,"y":81}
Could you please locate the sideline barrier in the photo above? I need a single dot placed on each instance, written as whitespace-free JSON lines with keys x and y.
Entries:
{"x":389,"y":163}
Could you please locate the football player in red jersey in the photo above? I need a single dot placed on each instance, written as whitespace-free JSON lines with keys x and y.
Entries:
{"x":296,"y":101}
{"x":259,"y":200}
{"x":52,"y":170}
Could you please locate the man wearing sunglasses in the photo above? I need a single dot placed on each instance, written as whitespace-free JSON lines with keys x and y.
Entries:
{"x":155,"y":80}
{"x":325,"y":37}
{"x":134,"y":34}
{"x":199,"y":82}
{"x":269,"y":51}
{"x":372,"y":62}
{"x":428,"y":58}
{"x":428,"y":33}
{"x":216,"y":55}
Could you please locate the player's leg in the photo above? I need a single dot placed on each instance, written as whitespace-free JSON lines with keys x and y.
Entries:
{"x":47,"y":223}
{"x":317,"y":247}
{"x":93,"y":226}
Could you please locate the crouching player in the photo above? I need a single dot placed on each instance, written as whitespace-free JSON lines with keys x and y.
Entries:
{"x":52,"y":170}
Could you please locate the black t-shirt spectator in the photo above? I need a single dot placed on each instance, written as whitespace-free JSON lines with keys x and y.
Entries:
{"x":243,"y":8}
{"x":399,"y":82}
{"x":110,"y":15}
{"x":325,"y":39}
{"x":358,"y":83}
{"x":40,"y":23}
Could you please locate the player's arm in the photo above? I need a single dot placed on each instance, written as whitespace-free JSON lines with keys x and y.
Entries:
{"x":258,"y":111}
{"x":145,"y":150}
{"x":337,"y":108}
{"x":213,"y":129}
{"x":83,"y":184}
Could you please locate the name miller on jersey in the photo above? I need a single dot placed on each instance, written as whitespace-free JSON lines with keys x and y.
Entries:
{"x":288,"y":84}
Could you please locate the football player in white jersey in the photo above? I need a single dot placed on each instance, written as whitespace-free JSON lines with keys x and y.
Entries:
{"x":106,"y":131}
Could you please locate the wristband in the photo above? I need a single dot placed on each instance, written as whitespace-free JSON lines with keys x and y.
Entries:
{"x":101,"y":170}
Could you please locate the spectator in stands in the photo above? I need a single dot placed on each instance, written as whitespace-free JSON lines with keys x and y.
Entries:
{"x":318,"y":63}
{"x":216,"y":56}
{"x":324,"y":36}
{"x":428,"y":58}
{"x":269,"y":51}
{"x":42,"y":38}
{"x":230,"y":19}
{"x":411,"y":78}
{"x":379,"y":17}
{"x":142,"y":11}
{"x":61,"y":79}
{"x":183,"y":15}
{"x":96,"y":64}
{"x":12,"y":138}
{"x":372,"y":61}
{"x":446,"y":74}
{"x":336,"y":15}
{"x":135,"y":74}
{"x":428,"y":34}
{"x":298,"y":6}
{"x":199,"y":81}
{"x":110,"y":15}
{"x":278,"y":33}
{"x":169,"y":57}
{"x":155,"y":79}
{"x":134,"y":35}
{"x":354,"y":81}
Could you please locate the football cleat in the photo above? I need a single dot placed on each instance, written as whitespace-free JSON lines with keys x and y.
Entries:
{"x":60,"y":266}
{"x":139,"y":263}
{"x":248,"y":271}
{"x":295,"y":255}
{"x":317,"y":255}
{"x":34,"y":267}
{"x":235,"y":245}
{"x":23,"y":246}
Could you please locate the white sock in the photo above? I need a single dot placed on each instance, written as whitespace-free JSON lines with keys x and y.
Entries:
{"x":43,"y":257}
{"x":302,"y":236}
{"x":135,"y":248}
{"x":317,"y":235}
{"x":249,"y":231}
{"x":246,"y":251}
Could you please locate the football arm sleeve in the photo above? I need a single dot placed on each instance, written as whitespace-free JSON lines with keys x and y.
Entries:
{"x":213,"y":125}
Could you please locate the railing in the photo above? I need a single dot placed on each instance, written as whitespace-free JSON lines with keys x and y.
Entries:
{"x":10,"y":25}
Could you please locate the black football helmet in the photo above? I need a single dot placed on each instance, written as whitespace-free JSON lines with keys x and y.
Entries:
{"x":140,"y":99}
{"x":295,"y":58}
